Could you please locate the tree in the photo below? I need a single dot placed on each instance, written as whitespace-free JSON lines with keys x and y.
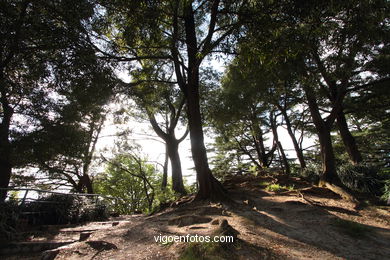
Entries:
{"x":130,"y":179}
{"x":330,"y":45}
{"x":158,"y":98}
{"x":269,"y":87}
{"x":39,"y":39}
{"x":171,"y":30}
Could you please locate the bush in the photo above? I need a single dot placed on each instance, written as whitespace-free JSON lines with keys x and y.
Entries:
{"x":64,"y":209}
{"x":311,"y":173}
{"x":386,"y":191}
{"x":361,"y":178}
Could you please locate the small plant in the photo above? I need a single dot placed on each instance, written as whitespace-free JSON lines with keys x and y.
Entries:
{"x":290,"y":187}
{"x":274,"y":187}
{"x":277,"y":187}
{"x":351,"y":228}
{"x":264,"y":184}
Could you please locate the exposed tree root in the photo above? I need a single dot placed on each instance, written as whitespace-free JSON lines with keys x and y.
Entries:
{"x":343,"y":192}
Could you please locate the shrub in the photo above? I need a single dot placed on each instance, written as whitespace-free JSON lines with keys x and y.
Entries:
{"x":386,"y":191}
{"x":311,"y":173}
{"x":64,"y":209}
{"x":361,"y":178}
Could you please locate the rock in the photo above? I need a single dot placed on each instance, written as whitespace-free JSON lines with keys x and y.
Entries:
{"x":225,"y":229}
{"x":84,"y":236}
{"x":116,"y":223}
{"x":50,"y":254}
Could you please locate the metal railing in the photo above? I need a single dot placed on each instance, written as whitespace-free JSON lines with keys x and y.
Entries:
{"x":25,"y":197}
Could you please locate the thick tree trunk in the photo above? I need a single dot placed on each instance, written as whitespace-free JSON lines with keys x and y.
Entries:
{"x":5,"y":163}
{"x":5,"y":176}
{"x":5,"y":145}
{"x":88,"y":184}
{"x":327,"y":157}
{"x":348,"y":139}
{"x":329,"y":177}
{"x":298,"y":150}
{"x":177,"y":177}
{"x":209,"y":187}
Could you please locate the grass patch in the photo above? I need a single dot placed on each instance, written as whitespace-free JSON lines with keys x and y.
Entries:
{"x":277,"y":187}
{"x":351,"y":228}
{"x":264,"y":184}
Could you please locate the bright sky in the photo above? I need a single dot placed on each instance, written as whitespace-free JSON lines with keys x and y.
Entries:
{"x":154,"y":149}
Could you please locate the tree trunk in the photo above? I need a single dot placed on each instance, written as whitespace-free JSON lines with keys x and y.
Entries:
{"x":209,"y":187}
{"x":298,"y":150}
{"x":323,"y":131}
{"x":5,"y":144}
{"x":165,"y":169}
{"x":274,"y":129}
{"x":348,"y":139}
{"x":329,"y":177}
{"x":284,"y":158}
{"x":5,"y":176}
{"x":258,"y":141}
{"x":177,"y":177}
{"x":327,"y":157}
{"x":88,"y":184}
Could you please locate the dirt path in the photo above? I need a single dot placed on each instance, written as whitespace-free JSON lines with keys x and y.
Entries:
{"x":307,"y":223}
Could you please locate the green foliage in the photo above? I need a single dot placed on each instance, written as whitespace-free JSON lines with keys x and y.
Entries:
{"x":311,"y":172}
{"x":362,"y":178}
{"x":123,"y":179}
{"x":386,"y":191}
{"x":264,"y":184}
{"x":135,"y":182}
{"x":277,"y":187}
{"x":64,"y":209}
{"x":351,"y":228}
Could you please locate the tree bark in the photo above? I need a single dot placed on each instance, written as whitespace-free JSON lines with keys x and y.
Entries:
{"x":171,"y":151}
{"x":323,"y":131}
{"x":88,"y":184}
{"x":164,"y":180}
{"x":284,"y":158}
{"x":5,"y":176}
{"x":274,"y":128}
{"x":177,"y":177}
{"x":348,"y":139}
{"x":209,"y":187}
{"x":84,"y":185}
{"x":5,"y":144}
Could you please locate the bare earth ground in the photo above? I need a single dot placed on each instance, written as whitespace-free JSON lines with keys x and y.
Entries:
{"x":297,"y":224}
